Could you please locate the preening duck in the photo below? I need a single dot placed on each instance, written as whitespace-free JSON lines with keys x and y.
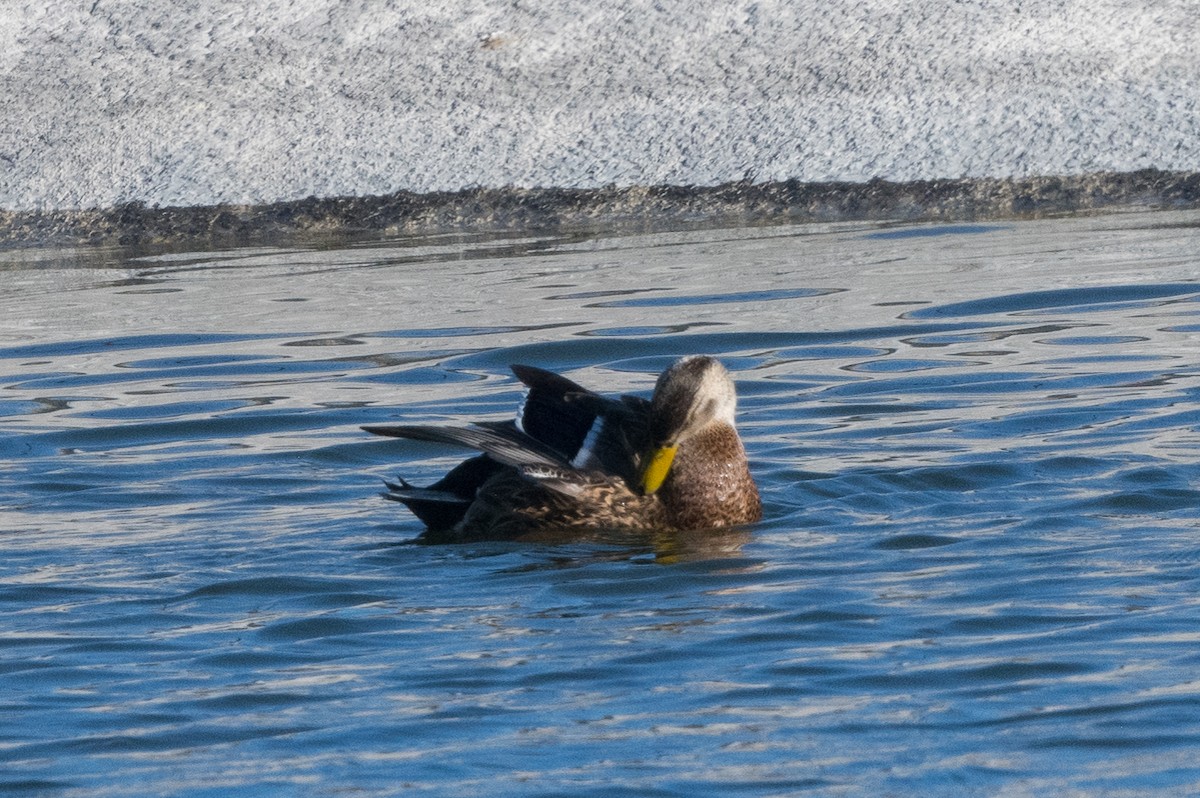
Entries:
{"x":574,"y":460}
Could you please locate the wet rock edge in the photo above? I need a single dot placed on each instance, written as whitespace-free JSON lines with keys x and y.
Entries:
{"x":639,"y":208}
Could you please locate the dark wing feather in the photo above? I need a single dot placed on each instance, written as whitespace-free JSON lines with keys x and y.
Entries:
{"x":503,"y":445}
{"x":619,"y":438}
{"x":550,"y":413}
{"x":502,"y":440}
{"x":587,"y":429}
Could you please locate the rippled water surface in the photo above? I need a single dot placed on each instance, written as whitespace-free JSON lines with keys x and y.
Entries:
{"x":978,"y":573}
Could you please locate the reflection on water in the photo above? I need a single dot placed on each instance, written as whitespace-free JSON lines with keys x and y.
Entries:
{"x":976,"y":445}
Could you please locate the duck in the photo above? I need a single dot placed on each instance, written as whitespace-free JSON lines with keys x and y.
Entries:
{"x":573,"y":461}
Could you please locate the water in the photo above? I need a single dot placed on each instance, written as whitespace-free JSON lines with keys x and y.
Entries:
{"x":977,"y":575}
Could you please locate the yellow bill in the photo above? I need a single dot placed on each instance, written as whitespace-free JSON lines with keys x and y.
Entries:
{"x":656,"y":470}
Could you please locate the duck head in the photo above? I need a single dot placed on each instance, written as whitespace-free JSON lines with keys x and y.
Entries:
{"x":694,"y":394}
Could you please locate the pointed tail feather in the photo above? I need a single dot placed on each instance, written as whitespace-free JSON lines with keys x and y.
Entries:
{"x":439,"y":510}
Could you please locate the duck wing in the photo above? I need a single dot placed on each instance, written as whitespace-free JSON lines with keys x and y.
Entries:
{"x":554,"y":411}
{"x":503,"y":445}
{"x":503,"y":441}
{"x":590,"y":431}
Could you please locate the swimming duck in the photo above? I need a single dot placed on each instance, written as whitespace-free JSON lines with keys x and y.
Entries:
{"x":575,"y":461}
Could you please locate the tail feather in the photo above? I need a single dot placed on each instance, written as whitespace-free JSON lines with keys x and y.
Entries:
{"x":444,"y":503}
{"x":438,"y":509}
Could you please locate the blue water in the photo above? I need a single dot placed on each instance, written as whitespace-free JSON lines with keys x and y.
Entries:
{"x":979,"y":572}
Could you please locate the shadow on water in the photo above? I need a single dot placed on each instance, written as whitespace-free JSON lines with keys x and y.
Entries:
{"x":976,"y":447}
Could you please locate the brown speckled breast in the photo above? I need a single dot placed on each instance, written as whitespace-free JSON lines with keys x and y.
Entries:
{"x":710,"y":483}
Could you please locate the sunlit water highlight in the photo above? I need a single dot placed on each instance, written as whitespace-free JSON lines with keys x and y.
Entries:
{"x":978,"y":573}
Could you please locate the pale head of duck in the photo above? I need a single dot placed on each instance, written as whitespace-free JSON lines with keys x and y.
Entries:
{"x":694,"y":393}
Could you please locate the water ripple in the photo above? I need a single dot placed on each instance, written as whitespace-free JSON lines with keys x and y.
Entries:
{"x":976,"y":447}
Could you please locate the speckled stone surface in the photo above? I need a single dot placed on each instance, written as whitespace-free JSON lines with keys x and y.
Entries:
{"x":109,"y":102}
